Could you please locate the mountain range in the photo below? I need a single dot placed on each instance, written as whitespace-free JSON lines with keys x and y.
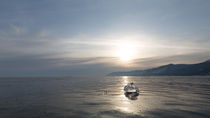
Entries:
{"x":202,"y":68}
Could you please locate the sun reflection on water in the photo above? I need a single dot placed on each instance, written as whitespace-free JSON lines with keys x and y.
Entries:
{"x":123,"y":103}
{"x":125,"y":80}
{"x":127,"y":103}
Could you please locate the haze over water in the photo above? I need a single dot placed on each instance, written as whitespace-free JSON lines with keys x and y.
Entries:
{"x":103,"y":97}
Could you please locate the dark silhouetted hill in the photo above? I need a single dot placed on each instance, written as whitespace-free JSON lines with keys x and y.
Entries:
{"x":170,"y":70}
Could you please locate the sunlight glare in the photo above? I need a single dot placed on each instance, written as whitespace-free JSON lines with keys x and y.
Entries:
{"x":126,"y":51}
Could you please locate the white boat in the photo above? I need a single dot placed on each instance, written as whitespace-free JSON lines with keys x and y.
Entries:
{"x":131,"y":88}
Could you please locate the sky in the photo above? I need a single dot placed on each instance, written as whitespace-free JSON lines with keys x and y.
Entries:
{"x":96,"y":37}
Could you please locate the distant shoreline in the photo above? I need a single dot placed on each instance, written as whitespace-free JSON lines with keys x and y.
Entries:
{"x":198,"y":69}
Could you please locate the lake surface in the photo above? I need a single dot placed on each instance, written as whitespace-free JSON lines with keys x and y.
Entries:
{"x":103,"y":97}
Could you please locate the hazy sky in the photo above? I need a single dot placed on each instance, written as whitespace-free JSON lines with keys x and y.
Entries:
{"x":95,"y":37}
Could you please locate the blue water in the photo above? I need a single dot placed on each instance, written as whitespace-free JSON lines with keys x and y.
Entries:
{"x":103,"y":97}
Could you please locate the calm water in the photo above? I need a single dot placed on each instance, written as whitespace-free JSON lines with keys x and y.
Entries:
{"x":103,"y":97}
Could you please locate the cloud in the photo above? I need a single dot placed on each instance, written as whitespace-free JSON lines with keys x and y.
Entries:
{"x":31,"y":65}
{"x":17,"y":30}
{"x":43,"y":34}
{"x":41,"y":53}
{"x":42,"y":65}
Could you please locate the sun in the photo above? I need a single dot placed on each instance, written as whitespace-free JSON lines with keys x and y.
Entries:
{"x":124,"y":54}
{"x":126,"y":51}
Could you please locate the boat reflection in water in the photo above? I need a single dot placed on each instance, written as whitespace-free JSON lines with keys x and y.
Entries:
{"x":131,"y":96}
